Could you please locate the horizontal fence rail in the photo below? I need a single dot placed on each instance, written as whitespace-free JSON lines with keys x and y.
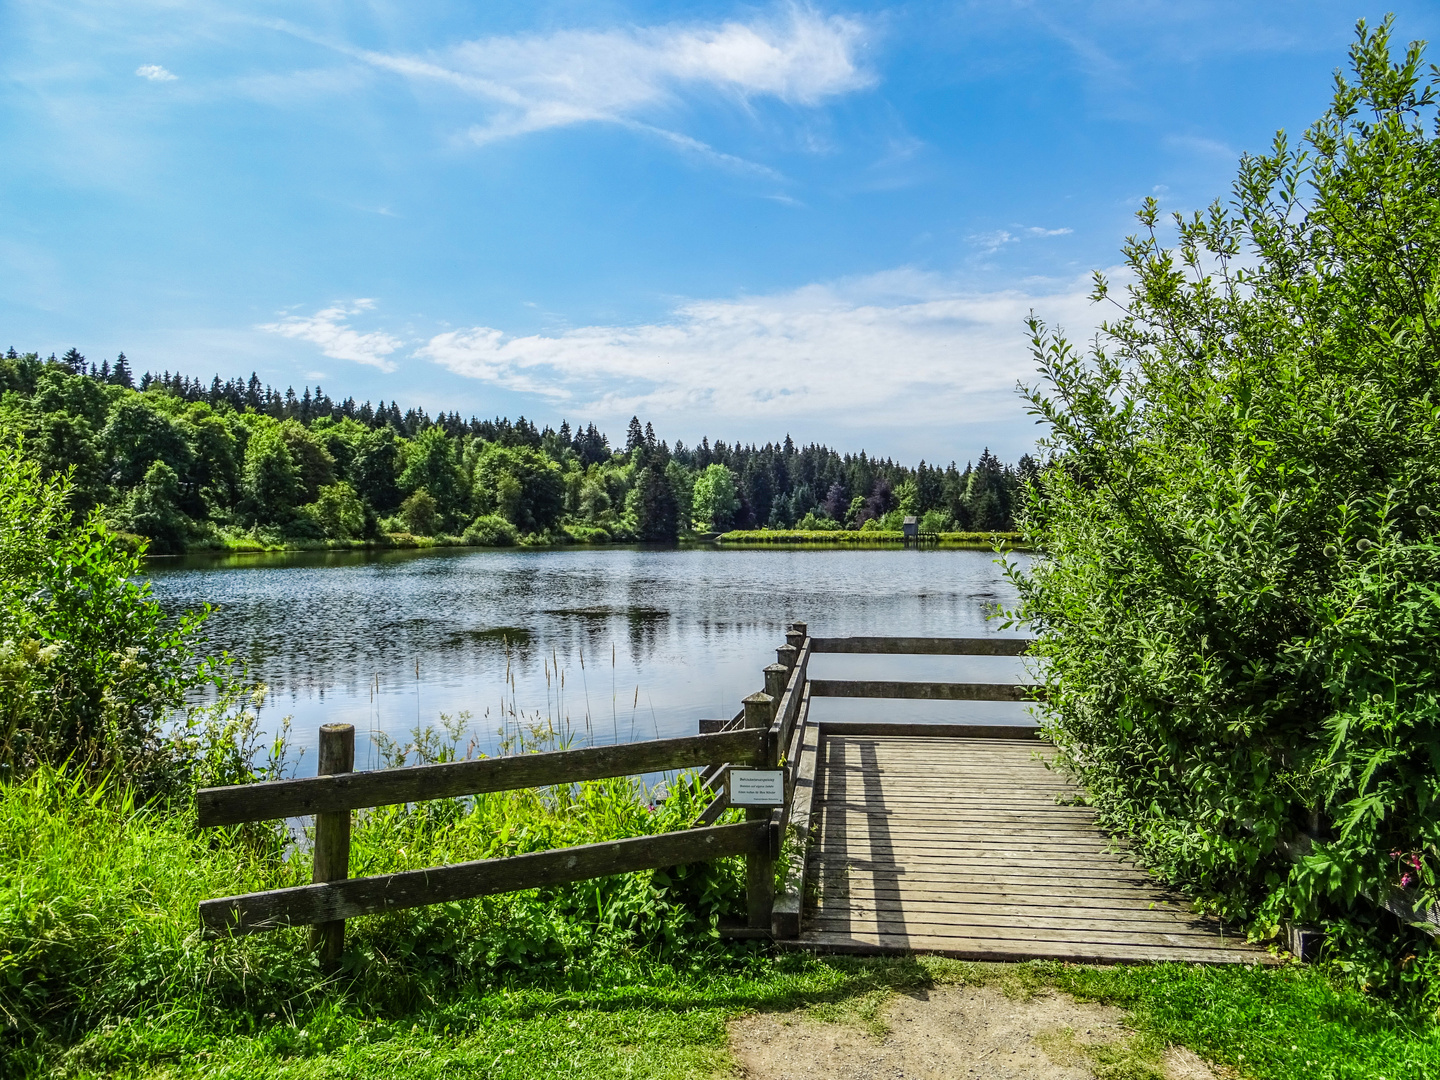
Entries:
{"x":255,"y":912}
{"x":353,"y":791}
{"x":922,"y":646}
{"x":923,"y":691}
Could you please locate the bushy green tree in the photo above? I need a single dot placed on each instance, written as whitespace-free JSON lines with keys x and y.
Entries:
{"x":714,"y":499}
{"x":271,"y":484}
{"x":137,"y":434}
{"x":152,"y":509}
{"x":520,"y":484}
{"x":338,"y":511}
{"x":431,"y":463}
{"x":1237,"y":604}
{"x":420,"y":514}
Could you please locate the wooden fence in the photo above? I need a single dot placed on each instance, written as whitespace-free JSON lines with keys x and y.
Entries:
{"x":771,"y":733}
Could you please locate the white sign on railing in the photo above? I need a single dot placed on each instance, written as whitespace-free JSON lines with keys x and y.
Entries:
{"x":756,"y":787}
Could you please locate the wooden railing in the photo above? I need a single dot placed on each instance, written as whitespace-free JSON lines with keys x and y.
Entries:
{"x":772,"y":734}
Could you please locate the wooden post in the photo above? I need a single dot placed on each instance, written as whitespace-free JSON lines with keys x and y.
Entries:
{"x":332,"y":839}
{"x":760,"y":867}
{"x":796,"y":638}
{"x":776,"y":676}
{"x":787,"y":654}
{"x":800,"y":627}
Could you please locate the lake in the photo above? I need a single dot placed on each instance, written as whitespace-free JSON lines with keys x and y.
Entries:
{"x":613,"y":643}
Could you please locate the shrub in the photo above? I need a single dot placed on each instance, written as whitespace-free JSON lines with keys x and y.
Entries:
{"x":420,"y":515}
{"x":1237,"y":600}
{"x":490,"y":530}
{"x":90,"y":667}
{"x":337,"y":511}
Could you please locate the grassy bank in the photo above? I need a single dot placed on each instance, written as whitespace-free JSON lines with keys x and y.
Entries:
{"x":867,"y":538}
{"x":102,"y":971}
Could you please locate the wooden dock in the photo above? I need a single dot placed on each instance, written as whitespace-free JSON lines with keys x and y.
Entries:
{"x":950,"y":839}
{"x":972,"y":848}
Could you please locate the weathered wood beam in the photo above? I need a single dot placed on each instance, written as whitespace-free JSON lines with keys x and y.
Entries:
{"x":328,"y":794}
{"x":924,"y":691}
{"x":951,"y":731}
{"x":982,"y":646}
{"x":256,"y":912}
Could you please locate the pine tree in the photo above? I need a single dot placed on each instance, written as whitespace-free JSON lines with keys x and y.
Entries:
{"x":120,"y":375}
{"x":634,"y":435}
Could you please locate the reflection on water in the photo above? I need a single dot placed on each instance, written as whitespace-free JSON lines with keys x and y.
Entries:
{"x":618,"y":643}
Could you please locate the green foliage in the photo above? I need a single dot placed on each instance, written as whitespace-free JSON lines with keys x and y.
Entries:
{"x":430,"y":465}
{"x":869,"y":537}
{"x":90,"y":666}
{"x":1237,"y":606}
{"x":420,"y":514}
{"x":271,"y":484}
{"x":152,"y":509}
{"x":714,"y":500}
{"x":490,"y":530}
{"x":338,"y":512}
{"x":521,"y":485}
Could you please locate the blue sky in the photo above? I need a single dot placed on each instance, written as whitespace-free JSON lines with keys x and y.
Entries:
{"x":735,"y":220}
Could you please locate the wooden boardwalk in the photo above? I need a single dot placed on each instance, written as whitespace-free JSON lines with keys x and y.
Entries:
{"x":967,"y":847}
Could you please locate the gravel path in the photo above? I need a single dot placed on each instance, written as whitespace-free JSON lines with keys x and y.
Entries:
{"x":949,"y":1033}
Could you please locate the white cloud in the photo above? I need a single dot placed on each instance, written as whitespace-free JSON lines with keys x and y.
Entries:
{"x":901,"y":346}
{"x":535,"y":82}
{"x":155,"y":73}
{"x":1036,"y":230}
{"x":328,"y":329}
{"x":994,"y":240}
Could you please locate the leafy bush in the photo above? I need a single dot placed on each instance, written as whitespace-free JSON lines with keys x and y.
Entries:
{"x":587,"y":534}
{"x":490,"y":530}
{"x":90,"y":667}
{"x":419,"y":513}
{"x":1237,"y":602}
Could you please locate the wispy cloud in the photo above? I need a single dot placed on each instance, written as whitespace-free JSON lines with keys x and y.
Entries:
{"x":329,"y":329}
{"x":900,"y":344}
{"x":530,"y":83}
{"x":155,"y":73}
{"x":994,"y":240}
{"x":1037,"y":230}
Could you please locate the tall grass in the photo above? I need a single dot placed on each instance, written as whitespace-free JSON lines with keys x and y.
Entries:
{"x":99,"y":894}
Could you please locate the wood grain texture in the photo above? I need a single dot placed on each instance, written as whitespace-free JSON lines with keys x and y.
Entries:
{"x":790,"y":903}
{"x":893,"y":646}
{"x":920,"y":691}
{"x":255,"y":912}
{"x":971,"y":847}
{"x":328,"y":794}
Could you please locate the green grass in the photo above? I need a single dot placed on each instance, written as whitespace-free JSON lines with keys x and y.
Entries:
{"x":102,"y":972}
{"x":865,"y":538}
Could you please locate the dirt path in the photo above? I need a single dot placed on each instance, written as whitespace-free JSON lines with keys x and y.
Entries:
{"x":954,"y":1033}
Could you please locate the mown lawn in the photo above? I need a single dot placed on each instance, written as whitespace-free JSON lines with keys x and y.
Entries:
{"x":1261,"y":1022}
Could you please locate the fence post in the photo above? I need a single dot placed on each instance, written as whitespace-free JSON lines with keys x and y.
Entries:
{"x":787,"y":655}
{"x":332,"y":838}
{"x":760,"y":867}
{"x":796,"y":636}
{"x":776,"y":676}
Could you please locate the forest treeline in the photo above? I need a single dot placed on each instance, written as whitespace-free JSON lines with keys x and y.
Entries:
{"x":193,"y":465}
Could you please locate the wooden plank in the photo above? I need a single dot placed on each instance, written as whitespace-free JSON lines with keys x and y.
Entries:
{"x":789,"y":906}
{"x":254,"y":912}
{"x":327,"y":794}
{"x":921,"y":691}
{"x":1032,"y":894}
{"x":982,"y":646}
{"x":797,"y":686}
{"x":901,"y":729}
{"x":1028,"y":930}
{"x":983,"y":949}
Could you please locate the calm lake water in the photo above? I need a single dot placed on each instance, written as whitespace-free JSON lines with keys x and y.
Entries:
{"x":614,"y":643}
